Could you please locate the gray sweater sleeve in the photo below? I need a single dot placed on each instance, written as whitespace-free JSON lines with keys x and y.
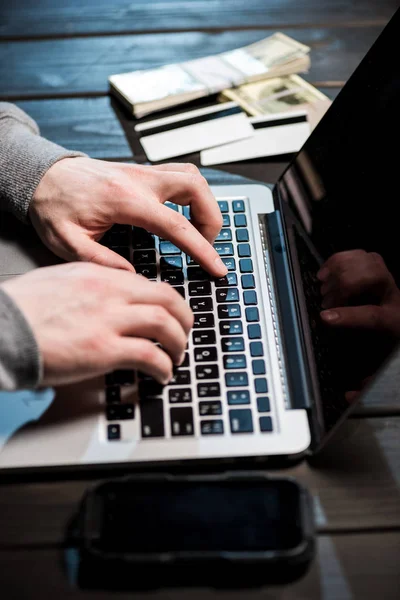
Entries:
{"x":24,"y":159}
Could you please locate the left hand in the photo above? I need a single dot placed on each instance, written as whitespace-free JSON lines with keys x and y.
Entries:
{"x":79,"y":199}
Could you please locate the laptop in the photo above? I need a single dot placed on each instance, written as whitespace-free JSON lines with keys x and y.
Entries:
{"x":263,"y":376}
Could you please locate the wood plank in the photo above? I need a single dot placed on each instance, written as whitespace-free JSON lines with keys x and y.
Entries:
{"x":83,"y":17}
{"x":345,"y":567}
{"x":88,"y":125}
{"x":354,"y":481}
{"x":67,"y":68}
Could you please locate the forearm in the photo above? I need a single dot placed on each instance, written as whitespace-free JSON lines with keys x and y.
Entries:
{"x":24,"y":159}
{"x":20,"y":363}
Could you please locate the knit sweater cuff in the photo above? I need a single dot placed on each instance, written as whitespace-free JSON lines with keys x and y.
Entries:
{"x":24,"y":159}
{"x":20,"y":361}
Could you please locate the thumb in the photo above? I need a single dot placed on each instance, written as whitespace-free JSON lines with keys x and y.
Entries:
{"x":369,"y":317}
{"x":90,"y":251}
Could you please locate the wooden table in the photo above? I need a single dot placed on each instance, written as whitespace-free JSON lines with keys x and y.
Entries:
{"x":54,"y":61}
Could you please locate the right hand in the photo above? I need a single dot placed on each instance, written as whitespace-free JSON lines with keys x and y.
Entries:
{"x":89,"y":320}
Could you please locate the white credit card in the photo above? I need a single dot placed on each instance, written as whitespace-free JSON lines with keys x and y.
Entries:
{"x":282,"y":133}
{"x":193,"y":131}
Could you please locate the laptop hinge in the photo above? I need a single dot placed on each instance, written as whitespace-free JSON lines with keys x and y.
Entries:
{"x":291,"y":340}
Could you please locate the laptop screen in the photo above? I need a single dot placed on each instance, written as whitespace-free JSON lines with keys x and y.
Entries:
{"x":344,"y":188}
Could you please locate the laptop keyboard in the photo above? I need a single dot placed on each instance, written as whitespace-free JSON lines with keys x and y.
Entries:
{"x":222,"y":386}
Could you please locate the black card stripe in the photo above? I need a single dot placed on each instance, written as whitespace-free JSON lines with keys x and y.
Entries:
{"x":277,"y":122}
{"x":190,"y":121}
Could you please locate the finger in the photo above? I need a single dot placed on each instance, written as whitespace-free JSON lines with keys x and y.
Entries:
{"x":337,"y":261}
{"x":90,"y":251}
{"x":173,"y":226}
{"x":143,"y":291}
{"x":143,"y":355}
{"x":358,"y":317}
{"x":154,"y":322}
{"x":192,"y":189}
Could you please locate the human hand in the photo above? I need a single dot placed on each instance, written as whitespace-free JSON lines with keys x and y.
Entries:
{"x":348,"y":277}
{"x":89,"y":320}
{"x":79,"y":199}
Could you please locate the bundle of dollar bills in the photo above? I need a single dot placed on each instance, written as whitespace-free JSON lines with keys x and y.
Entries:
{"x":150,"y":90}
{"x":279,"y":95}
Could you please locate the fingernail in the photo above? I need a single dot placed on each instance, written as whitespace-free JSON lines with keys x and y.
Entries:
{"x":323,"y":274}
{"x":166,"y":380}
{"x":220,"y":266}
{"x":182,"y":358}
{"x":330,"y":315}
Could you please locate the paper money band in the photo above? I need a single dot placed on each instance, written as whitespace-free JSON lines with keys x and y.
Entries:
{"x":278,"y":122}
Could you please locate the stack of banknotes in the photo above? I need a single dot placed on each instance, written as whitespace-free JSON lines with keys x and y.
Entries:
{"x":263,"y":107}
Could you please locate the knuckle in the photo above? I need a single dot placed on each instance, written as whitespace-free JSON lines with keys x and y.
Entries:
{"x":148,"y":352}
{"x":190,"y":168}
{"x":159,"y":316}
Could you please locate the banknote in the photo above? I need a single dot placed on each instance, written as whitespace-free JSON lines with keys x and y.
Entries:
{"x":279,"y":94}
{"x":155,"y":89}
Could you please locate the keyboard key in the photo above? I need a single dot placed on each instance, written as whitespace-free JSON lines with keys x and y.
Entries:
{"x":258,"y":367}
{"x":148,"y":271}
{"x":181,"y":290}
{"x":180,"y":378}
{"x":240,"y":221}
{"x":201,"y":304}
{"x":172,"y":277}
{"x":121,"y":377}
{"x":152,"y":418}
{"x":169,"y":248}
{"x":199,"y":288}
{"x":225,"y":235}
{"x":172,"y":206}
{"x":238,"y":397}
{"x":246,"y":265}
{"x":238,"y":379}
{"x":244,"y":250}
{"x":114,"y":432}
{"x":248,"y":281}
{"x":261,"y":385}
{"x":227,"y":295}
{"x":230,"y":327}
{"x":223,"y":206}
{"x":207,"y":409}
{"x":197,"y":274}
{"x":120,"y":412}
{"x":120,"y":237}
{"x":207,"y":372}
{"x":144,"y":257}
{"x":142,"y":239}
{"x":229,"y":311}
{"x":122,"y":251}
{"x":182,"y":395}
{"x":228,"y":280}
{"x":208,"y":390}
{"x":203,"y":320}
{"x":242,"y":235}
{"x":229,"y":263}
{"x":241,"y":420}
{"x":249,"y":297}
{"x":205,"y":354}
{"x":256,"y":349}
{"x":182,"y":421}
{"x":252,"y":314}
{"x":150,"y":388}
{"x":171,"y":262}
{"x":235,"y":361}
{"x":238,"y":206}
{"x":212,"y":427}
{"x":113,"y":395}
{"x":186,"y":212}
{"x":224,"y":249}
{"x":232,"y":344}
{"x":263,"y":404}
{"x":254,"y":331}
{"x":185,"y":361}
{"x":265,"y":423}
{"x":226,"y":221}
{"x":202,"y":338}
